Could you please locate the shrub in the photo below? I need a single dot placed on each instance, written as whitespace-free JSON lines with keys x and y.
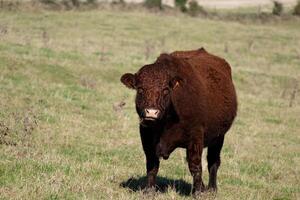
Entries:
{"x":277,"y":8}
{"x":297,"y":9}
{"x":153,"y":4}
{"x":75,"y":3}
{"x":195,"y":9}
{"x":181,"y":4}
{"x":91,"y":1}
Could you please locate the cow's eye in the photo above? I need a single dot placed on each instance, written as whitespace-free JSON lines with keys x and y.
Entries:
{"x":166,"y":91}
{"x":140,"y":90}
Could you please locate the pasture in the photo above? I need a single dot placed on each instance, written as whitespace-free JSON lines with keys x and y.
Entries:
{"x":65,"y":132}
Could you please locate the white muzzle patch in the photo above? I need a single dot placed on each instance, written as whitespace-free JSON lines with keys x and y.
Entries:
{"x":151,"y":113}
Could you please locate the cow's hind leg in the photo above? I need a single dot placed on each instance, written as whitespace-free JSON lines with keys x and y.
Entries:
{"x":194,"y":153}
{"x":214,"y":161}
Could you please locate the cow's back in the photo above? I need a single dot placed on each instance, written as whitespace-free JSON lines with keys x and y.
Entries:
{"x":215,"y":73}
{"x":202,"y":59}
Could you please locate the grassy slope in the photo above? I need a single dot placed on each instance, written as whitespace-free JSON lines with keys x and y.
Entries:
{"x":59,"y":80}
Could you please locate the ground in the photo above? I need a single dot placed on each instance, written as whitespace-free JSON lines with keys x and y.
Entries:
{"x":65,"y":132}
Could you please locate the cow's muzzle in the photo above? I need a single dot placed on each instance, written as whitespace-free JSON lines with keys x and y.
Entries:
{"x":149,"y":116}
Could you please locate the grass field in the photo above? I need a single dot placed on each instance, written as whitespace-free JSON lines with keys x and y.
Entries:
{"x":64,"y":135}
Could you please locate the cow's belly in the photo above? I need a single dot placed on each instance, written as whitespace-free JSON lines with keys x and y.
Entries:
{"x":217,"y":127}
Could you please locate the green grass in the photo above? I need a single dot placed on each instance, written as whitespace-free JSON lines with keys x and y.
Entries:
{"x":61,"y":137}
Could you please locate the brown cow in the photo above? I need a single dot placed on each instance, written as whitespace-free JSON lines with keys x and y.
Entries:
{"x":185,"y":99}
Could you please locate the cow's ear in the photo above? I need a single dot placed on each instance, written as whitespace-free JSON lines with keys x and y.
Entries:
{"x":175,"y":82}
{"x":129,"y":80}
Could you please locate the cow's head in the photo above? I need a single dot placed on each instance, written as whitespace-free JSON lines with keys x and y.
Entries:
{"x":154,"y":85}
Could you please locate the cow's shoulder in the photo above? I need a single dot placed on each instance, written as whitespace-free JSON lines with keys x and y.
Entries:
{"x":169,"y":61}
{"x":189,"y":54}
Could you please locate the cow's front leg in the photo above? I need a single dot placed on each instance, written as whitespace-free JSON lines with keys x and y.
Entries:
{"x":149,"y":142}
{"x":152,"y":164}
{"x":194,"y":153}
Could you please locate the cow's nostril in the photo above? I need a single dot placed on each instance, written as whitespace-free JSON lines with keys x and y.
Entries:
{"x":151,"y":113}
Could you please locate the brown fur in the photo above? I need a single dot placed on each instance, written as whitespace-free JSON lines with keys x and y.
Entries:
{"x":196,"y":96}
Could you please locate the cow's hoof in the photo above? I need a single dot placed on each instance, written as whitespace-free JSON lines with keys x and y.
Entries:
{"x":149,"y":190}
{"x":197,"y":194}
{"x":212,"y":190}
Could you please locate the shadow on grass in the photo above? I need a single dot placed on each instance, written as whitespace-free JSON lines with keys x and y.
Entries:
{"x":139,"y":183}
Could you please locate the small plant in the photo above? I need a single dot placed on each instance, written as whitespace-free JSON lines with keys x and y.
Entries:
{"x":69,"y":4}
{"x":48,"y":1}
{"x":277,"y":8}
{"x":297,"y":9}
{"x":17,"y":128}
{"x":153,"y":4}
{"x":195,"y":9}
